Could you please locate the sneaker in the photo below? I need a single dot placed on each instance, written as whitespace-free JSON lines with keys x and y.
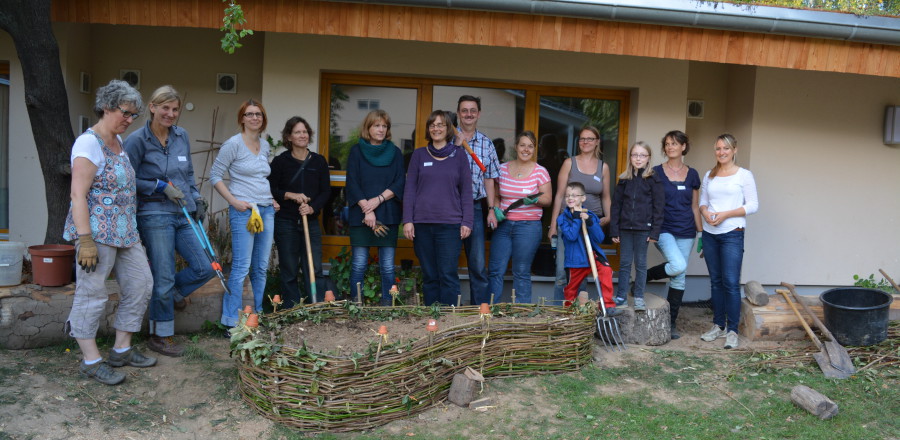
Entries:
{"x":640,"y":305}
{"x":613,"y":311}
{"x":165,"y":346}
{"x":102,"y":372}
{"x":132,"y":358}
{"x":620,"y":301}
{"x":731,"y":340}
{"x":714,"y":333}
{"x":675,"y":333}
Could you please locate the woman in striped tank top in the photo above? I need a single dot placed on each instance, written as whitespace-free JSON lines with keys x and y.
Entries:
{"x":519,"y":235}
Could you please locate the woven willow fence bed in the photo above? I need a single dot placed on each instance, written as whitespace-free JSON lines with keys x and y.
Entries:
{"x":326,"y":392}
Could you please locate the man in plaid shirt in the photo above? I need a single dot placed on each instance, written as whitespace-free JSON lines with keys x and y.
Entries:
{"x":468,"y":111}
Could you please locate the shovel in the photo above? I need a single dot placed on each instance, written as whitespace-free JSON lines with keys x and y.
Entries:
{"x":838,"y":355}
{"x":311,"y":269}
{"x":607,"y":326}
{"x":822,"y":357}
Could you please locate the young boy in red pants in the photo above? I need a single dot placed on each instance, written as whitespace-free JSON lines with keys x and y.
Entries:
{"x":569,"y":225}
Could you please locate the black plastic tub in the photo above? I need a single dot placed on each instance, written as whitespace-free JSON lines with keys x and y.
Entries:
{"x":856,"y":315}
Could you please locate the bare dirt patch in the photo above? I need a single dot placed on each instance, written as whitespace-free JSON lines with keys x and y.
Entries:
{"x":196,"y":397}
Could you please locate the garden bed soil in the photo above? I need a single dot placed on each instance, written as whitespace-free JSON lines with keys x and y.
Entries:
{"x":343,"y":337}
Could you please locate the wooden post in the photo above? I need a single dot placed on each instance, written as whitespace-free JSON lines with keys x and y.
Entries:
{"x":814,"y":402}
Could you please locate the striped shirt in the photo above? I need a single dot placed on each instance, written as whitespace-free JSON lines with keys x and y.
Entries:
{"x":514,"y":189}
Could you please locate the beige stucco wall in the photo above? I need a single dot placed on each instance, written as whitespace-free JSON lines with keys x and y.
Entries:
{"x":813,"y":140}
{"x":828,"y":185}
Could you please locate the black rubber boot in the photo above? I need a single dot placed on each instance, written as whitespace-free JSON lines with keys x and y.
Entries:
{"x":657,"y":272}
{"x":675,"y":296}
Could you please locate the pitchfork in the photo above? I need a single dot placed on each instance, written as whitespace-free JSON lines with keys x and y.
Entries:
{"x":607,"y":326}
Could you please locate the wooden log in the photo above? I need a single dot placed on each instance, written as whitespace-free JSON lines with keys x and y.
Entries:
{"x":652,"y":327}
{"x":481,"y":403}
{"x":776,"y":321}
{"x":755,"y":293}
{"x":814,"y":402}
{"x":32,"y":316}
{"x":464,"y":386}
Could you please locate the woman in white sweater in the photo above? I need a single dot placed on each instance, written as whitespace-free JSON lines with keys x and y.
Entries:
{"x":727,"y":197}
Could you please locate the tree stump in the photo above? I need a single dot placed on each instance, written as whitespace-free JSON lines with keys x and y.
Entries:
{"x":32,"y":316}
{"x":814,"y":402}
{"x":465,"y":386}
{"x":652,"y":327}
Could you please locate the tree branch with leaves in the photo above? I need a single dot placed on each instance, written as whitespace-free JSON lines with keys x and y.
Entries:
{"x":232,"y":25}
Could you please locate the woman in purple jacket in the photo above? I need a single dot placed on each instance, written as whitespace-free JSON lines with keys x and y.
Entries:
{"x":437,"y":208}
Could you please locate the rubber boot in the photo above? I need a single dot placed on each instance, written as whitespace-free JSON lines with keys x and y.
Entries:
{"x":657,"y":272}
{"x":675,"y":296}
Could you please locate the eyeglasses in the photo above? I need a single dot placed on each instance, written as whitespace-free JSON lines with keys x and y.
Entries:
{"x":574,"y":196}
{"x":253,"y":115}
{"x":587,"y":139}
{"x":127,"y":114}
{"x":639,"y":156}
{"x":436,"y":125}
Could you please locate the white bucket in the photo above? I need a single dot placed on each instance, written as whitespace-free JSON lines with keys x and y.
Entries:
{"x":11,"y":253}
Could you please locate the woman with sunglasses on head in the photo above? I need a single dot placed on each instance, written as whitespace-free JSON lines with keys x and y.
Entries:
{"x":437,"y":208}
{"x":587,"y":168}
{"x":246,"y":158}
{"x":681,"y":219}
{"x":375,"y":182}
{"x":160,"y":153}
{"x":301,"y":183}
{"x":524,"y":188}
{"x":727,"y":197}
{"x":102,"y":222}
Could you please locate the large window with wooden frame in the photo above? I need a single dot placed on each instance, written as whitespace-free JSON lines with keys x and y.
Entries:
{"x":554,"y":114}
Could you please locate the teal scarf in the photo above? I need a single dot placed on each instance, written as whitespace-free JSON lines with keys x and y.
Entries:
{"x":378,"y":155}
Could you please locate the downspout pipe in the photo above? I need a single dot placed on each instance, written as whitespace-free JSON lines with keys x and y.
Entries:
{"x":691,"y":13}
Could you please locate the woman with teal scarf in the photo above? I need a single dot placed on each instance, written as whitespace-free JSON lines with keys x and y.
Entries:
{"x":374,"y":190}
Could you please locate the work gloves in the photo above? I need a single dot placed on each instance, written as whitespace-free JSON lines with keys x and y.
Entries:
{"x":172,"y":193}
{"x":87,"y":253}
{"x":200,"y":213}
{"x":255,"y":224}
{"x":498,"y":213}
{"x":380,"y":229}
{"x":530,"y":200}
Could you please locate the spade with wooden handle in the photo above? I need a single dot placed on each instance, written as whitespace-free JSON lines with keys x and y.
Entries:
{"x":822,"y":358}
{"x":840,"y":359}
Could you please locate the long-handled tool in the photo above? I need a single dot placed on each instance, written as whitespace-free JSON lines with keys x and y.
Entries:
{"x":821,"y":357}
{"x":205,"y":244}
{"x":837,"y":354}
{"x":607,"y":326}
{"x":311,"y":269}
{"x":474,"y":156}
{"x":890,"y":280}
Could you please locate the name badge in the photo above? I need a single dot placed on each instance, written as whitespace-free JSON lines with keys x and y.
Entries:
{"x":598,"y":179}
{"x":182,"y":159}
{"x":427,"y":164}
{"x":681,"y":187}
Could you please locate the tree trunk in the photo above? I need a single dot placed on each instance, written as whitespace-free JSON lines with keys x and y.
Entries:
{"x":28,"y":23}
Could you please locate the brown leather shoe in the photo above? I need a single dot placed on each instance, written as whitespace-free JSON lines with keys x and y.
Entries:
{"x":165,"y":345}
{"x":181,"y":305}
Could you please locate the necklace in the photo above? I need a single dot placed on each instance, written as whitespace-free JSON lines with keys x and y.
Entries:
{"x":679,"y":170}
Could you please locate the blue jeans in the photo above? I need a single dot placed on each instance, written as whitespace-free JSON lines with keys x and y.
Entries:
{"x":633,"y":248}
{"x":724,"y":255}
{"x":437,"y":247}
{"x":518,"y":240}
{"x":360,"y":260}
{"x":677,"y":252}
{"x":474,"y":245}
{"x":250,"y":255}
{"x":163,"y":235}
{"x":291,"y":244}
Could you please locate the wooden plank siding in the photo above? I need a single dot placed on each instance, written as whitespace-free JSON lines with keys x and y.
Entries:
{"x":500,"y":29}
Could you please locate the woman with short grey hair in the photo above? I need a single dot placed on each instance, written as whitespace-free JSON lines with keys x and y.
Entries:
{"x":102,"y":222}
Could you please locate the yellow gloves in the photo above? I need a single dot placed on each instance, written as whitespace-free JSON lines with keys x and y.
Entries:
{"x":87,"y":253}
{"x":255,"y":224}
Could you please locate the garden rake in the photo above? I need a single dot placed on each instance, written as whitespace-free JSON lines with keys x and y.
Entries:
{"x":607,"y":326}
